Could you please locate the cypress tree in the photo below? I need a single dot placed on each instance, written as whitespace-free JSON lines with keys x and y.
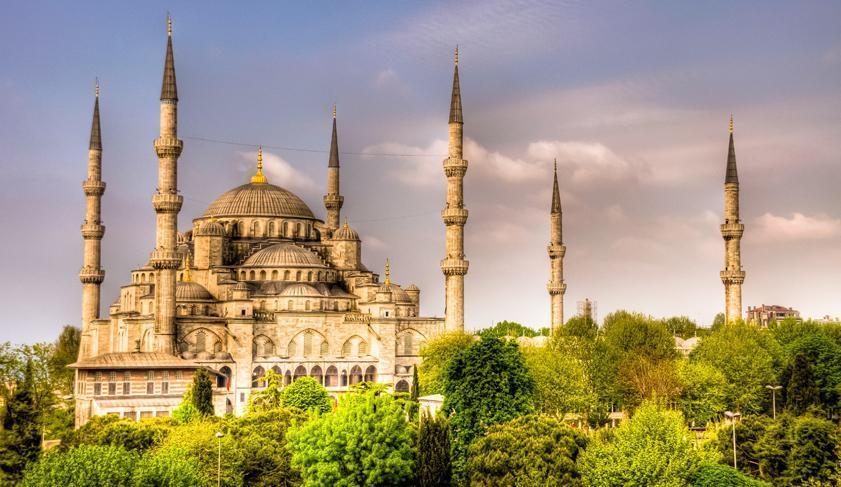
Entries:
{"x":434,"y":451}
{"x":415,"y":391}
{"x":21,"y":439}
{"x":802,"y":389}
{"x":203,"y":392}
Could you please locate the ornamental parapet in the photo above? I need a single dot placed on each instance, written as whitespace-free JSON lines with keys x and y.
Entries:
{"x":167,"y":202}
{"x":555,"y":288}
{"x":454,"y":167}
{"x":92,"y":231}
{"x":732,"y":276}
{"x":93,"y":187}
{"x":165,"y":259}
{"x":454,"y":267}
{"x":166,"y":146}
{"x":556,"y":250}
{"x":333,"y":201}
{"x":454,"y":216}
{"x":732,"y":230}
{"x":357,"y":317}
{"x":91,"y":275}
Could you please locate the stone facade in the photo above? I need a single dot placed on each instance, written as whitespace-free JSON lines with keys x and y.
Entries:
{"x":257,"y":283}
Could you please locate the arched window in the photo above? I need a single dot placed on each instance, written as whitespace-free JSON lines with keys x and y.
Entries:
{"x":287,"y":275}
{"x":287,"y":378}
{"x":252,"y":275}
{"x":276,"y":370}
{"x":363,"y":349}
{"x":401,"y":386}
{"x":224,"y":377}
{"x":290,"y":305}
{"x":241,"y":228}
{"x":344,"y":378}
{"x":307,"y":305}
{"x":331,"y":379}
{"x":297,"y":229}
{"x":258,"y":377}
{"x":298,"y":276}
{"x":292,"y":349}
{"x":309,"y":276}
{"x":271,"y":229}
{"x":316,"y":374}
{"x":408,"y":344}
{"x":308,"y":336}
{"x":371,"y":374}
{"x":262,"y":275}
{"x":284,"y":229}
{"x":201,"y":341}
{"x":300,"y":371}
{"x":355,"y":375}
{"x":347,"y":349}
{"x":324,"y":349}
{"x":274,"y":275}
{"x":255,"y":228}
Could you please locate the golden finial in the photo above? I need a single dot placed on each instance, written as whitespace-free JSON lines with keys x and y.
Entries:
{"x":168,"y":24}
{"x":345,"y":221}
{"x":97,"y":87}
{"x":731,"y":123}
{"x":387,"y":273}
{"x":259,"y":178}
{"x":187,"y":276}
{"x":334,"y":111}
{"x":456,"y":54}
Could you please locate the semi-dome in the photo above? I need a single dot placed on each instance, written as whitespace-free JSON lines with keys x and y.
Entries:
{"x":284,"y":255}
{"x":259,"y":199}
{"x":300,"y":290}
{"x":211,"y":229}
{"x":191,"y":291}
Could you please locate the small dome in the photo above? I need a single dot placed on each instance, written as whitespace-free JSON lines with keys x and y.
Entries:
{"x":412,"y":287}
{"x":345,"y":233}
{"x":284,"y":255}
{"x":301,"y":290}
{"x":259,"y":200}
{"x":241,"y":286}
{"x":191,"y":291}
{"x":211,"y":229}
{"x":270,"y":288}
{"x":397,"y":293}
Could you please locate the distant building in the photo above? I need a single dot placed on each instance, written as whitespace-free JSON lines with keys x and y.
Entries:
{"x":765,"y":314}
{"x":589,"y":308}
{"x":828,"y":319}
{"x":685,"y":347}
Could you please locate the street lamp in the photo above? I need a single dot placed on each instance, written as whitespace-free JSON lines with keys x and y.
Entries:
{"x":774,"y":390}
{"x":733,"y":417}
{"x":219,"y":436}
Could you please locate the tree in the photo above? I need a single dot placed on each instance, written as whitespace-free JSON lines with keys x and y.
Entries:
{"x":508,"y":329}
{"x":65,"y":352}
{"x":581,"y":326}
{"x":824,"y":356}
{"x":307,"y":394}
{"x":261,"y":436}
{"x":196,"y":442}
{"x":681,"y":326}
{"x":414,"y":392}
{"x":798,"y":451}
{"x":433,"y":464}
{"x":21,"y":442}
{"x":718,"y":322}
{"x":703,"y":392}
{"x":485,"y":384}
{"x":633,"y":333}
{"x":202,"y":392}
{"x":560,"y":381}
{"x":83,"y":466}
{"x":532,"y":450}
{"x":649,"y":379}
{"x":654,"y":448}
{"x":171,"y":467}
{"x":801,"y":388}
{"x":270,"y":397}
{"x":366,"y":441}
{"x":718,"y":475}
{"x":750,"y":430}
{"x":436,"y":354}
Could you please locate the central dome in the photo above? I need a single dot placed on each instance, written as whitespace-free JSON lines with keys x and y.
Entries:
{"x":259,"y":200}
{"x":284,"y":255}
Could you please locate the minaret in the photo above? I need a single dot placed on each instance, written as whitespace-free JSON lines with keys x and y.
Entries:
{"x":333,"y":199}
{"x":454,"y":265}
{"x":732,"y":276}
{"x":92,"y":273}
{"x":557,"y":250}
{"x":167,"y":203}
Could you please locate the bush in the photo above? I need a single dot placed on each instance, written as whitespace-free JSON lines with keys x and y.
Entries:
{"x":83,"y":466}
{"x":530,"y":450}
{"x":717,"y":475}
{"x":196,"y":442}
{"x":306,"y":394}
{"x":262,"y":438}
{"x":169,"y":467}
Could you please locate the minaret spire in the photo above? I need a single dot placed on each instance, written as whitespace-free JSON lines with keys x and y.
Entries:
{"x":733,"y":276}
{"x":333,"y":200}
{"x":91,"y":275}
{"x":556,"y":286}
{"x":167,"y":203}
{"x":454,"y":265}
{"x":259,"y":177}
{"x":387,"y":273}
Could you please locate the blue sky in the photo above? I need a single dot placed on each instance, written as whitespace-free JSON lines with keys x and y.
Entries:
{"x":631,"y":97}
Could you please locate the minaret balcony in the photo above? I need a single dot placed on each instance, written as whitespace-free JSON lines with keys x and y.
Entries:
{"x":93,"y":187}
{"x":92,"y":231}
{"x":454,"y":267}
{"x":455,"y":167}
{"x":556,"y":288}
{"x":454,"y":216}
{"x":556,"y":251}
{"x":333,"y":201}
{"x":91,"y":275}
{"x":165,"y":259}
{"x":732,"y":276}
{"x":166,"y":146}
{"x":732,"y":230}
{"x":167,"y":202}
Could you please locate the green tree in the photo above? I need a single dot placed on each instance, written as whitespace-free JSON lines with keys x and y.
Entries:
{"x":801,"y":388}
{"x":814,"y":453}
{"x":171,"y":467}
{"x":65,"y":352}
{"x":718,"y":475}
{"x":261,"y":436}
{"x":823,"y":353}
{"x":202,"y":392}
{"x":485,"y":384}
{"x":196,"y":441}
{"x":433,"y":464}
{"x":508,"y":329}
{"x":307,"y":394}
{"x":366,"y":441}
{"x":414,"y":392}
{"x":581,"y":326}
{"x":639,"y":335}
{"x":560,"y":381}
{"x":703,"y":392}
{"x":718,"y":322}
{"x":681,"y":326}
{"x":532,"y":450}
{"x":654,"y":448}
{"x":749,"y":433}
{"x":270,"y":397}
{"x":21,"y":441}
{"x":83,"y":466}
{"x":436,"y":354}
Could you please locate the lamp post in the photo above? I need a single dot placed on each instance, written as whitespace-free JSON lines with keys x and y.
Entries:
{"x":774,"y":390}
{"x":219,"y":436}
{"x":733,"y":417}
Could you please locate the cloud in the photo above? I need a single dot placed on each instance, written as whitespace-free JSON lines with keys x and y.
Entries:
{"x":278,"y":171}
{"x":770,"y":227}
{"x":373,"y":243}
{"x":589,"y":161}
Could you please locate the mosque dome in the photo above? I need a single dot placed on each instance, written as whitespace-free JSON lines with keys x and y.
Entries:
{"x":259,"y":199}
{"x":301,"y":290}
{"x":345,"y":233}
{"x":211,"y":229}
{"x":191,"y":291}
{"x":397,"y":293}
{"x":284,"y":255}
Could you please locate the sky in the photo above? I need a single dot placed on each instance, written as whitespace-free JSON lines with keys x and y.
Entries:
{"x":632,"y":98}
